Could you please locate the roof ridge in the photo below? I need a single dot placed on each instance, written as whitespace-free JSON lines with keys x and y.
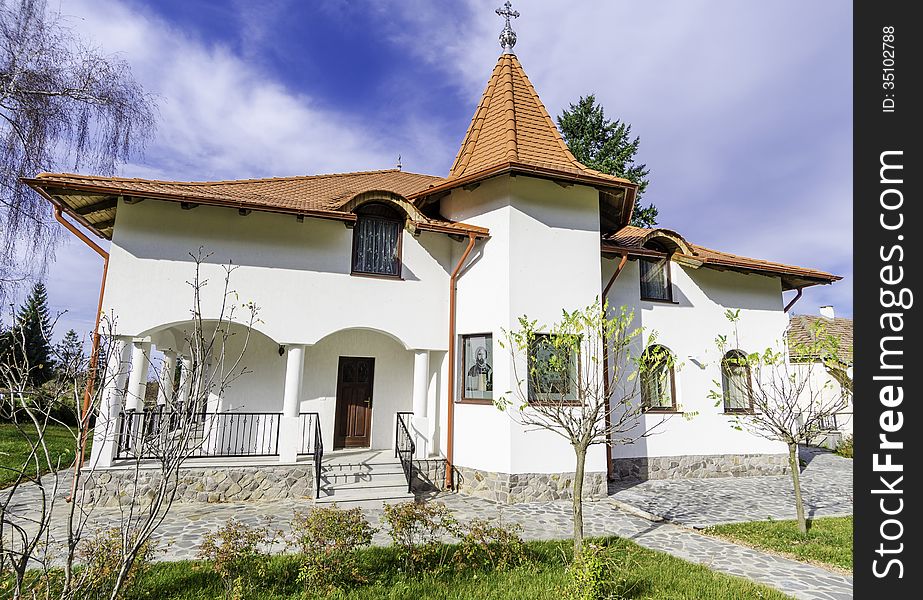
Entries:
{"x":47,"y":175}
{"x":512,"y":135}
{"x":469,"y":142}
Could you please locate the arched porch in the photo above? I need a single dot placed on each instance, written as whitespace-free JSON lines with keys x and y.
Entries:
{"x":349,"y":386}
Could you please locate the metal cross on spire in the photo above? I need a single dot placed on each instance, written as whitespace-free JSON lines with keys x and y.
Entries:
{"x":507,"y":36}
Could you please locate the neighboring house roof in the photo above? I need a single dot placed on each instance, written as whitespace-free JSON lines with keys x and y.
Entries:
{"x":630,"y":240}
{"x":93,"y":200}
{"x":801,"y":331}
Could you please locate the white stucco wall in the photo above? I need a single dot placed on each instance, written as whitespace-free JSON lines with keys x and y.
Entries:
{"x":541,"y":258}
{"x":689,"y":328}
{"x":298,"y":274}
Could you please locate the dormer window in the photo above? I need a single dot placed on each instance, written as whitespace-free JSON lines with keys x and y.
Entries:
{"x":655,"y":276}
{"x":377,"y":240}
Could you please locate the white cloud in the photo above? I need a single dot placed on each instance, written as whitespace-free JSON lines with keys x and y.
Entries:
{"x":221,"y":116}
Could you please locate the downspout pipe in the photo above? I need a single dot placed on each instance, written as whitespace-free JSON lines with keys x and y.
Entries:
{"x":450,"y":413}
{"x":797,"y":297}
{"x":610,"y":468}
{"x":94,"y":355}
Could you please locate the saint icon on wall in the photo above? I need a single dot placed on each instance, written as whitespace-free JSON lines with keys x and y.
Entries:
{"x":478,"y":364}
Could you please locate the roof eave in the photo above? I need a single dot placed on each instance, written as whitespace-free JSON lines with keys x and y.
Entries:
{"x":44,"y":185}
{"x":791,"y":278}
{"x":508,"y":168}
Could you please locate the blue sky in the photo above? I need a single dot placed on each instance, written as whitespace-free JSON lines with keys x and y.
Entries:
{"x":744,"y":108}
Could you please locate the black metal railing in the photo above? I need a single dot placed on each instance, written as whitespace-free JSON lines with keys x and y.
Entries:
{"x":152,"y":434}
{"x":318,"y":457}
{"x":312,"y":444}
{"x":404,"y":446}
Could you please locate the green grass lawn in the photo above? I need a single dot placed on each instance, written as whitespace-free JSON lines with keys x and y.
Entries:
{"x":641,"y":573}
{"x":829,"y":540}
{"x":14,"y":449}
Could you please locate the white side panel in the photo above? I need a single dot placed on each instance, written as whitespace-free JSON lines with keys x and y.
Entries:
{"x":689,"y":328}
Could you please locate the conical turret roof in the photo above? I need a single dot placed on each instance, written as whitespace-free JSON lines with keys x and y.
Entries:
{"x":511,"y":125}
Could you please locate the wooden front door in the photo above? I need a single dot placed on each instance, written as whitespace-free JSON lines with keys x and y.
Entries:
{"x":353,"y":423}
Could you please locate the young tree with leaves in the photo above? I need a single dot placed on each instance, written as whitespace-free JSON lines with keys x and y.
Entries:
{"x":773,"y":393}
{"x":62,"y":102}
{"x":579,"y":379}
{"x":606,"y":146}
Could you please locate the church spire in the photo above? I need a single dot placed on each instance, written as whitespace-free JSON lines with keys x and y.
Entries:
{"x":507,"y":36}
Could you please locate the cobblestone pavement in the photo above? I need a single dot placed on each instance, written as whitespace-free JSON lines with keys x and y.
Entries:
{"x":827,"y":483}
{"x":185,"y":526}
{"x":826,"y":486}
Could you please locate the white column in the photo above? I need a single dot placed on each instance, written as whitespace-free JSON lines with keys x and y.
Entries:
{"x":290,"y":425}
{"x":167,"y":370}
{"x":185,"y":376}
{"x":420,"y":422}
{"x":116,"y":374}
{"x":137,"y":379}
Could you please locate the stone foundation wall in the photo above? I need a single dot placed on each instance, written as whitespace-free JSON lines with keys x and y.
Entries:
{"x":227,"y":484}
{"x":511,"y":488}
{"x":700,"y":466}
{"x":429,"y":475}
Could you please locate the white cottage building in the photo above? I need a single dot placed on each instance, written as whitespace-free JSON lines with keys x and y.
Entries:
{"x":382,"y":299}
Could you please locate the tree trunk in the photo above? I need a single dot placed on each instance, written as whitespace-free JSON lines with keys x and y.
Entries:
{"x":578,"y":500}
{"x":795,"y":466}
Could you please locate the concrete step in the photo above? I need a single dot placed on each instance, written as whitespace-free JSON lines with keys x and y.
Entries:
{"x":367,"y":457}
{"x":363,"y":471}
{"x":367,"y":497}
{"x":363,"y":479}
{"x":393,"y":485}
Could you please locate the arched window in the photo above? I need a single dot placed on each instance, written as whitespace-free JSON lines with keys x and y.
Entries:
{"x":735,"y":382}
{"x":377,"y":240}
{"x":658,"y":383}
{"x":655,"y":276}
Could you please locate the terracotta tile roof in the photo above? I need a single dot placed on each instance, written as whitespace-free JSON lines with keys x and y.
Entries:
{"x":313,"y":195}
{"x":630,"y":238}
{"x":801,"y":331}
{"x":511,"y":129}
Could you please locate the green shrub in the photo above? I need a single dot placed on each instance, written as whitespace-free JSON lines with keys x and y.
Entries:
{"x":495,"y":547}
{"x":417,"y":529}
{"x":596,"y":575}
{"x":234,"y":553}
{"x":101,"y":556}
{"x":844,"y":448}
{"x":329,"y":539}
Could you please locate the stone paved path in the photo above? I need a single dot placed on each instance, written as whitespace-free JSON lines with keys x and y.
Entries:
{"x":185,"y":526}
{"x":826,"y":485}
{"x":182,"y":532}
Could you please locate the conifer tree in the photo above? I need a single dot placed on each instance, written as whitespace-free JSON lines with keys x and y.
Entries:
{"x":27,"y":342}
{"x":606,"y":146}
{"x":69,"y":353}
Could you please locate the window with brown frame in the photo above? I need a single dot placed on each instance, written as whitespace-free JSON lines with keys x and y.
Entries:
{"x":655,"y":276}
{"x":736,"y":383}
{"x":478,"y":367}
{"x":552,"y":370}
{"x":377,"y":240}
{"x":658,"y":381}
